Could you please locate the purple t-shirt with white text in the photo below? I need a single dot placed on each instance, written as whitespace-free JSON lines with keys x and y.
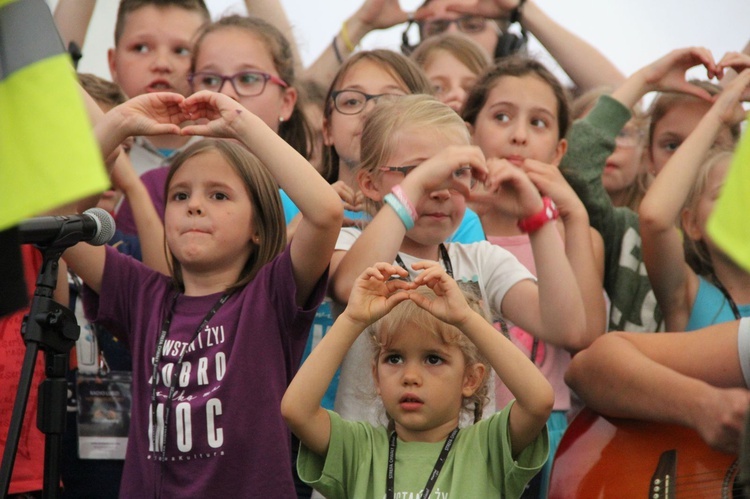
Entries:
{"x":225,"y":434}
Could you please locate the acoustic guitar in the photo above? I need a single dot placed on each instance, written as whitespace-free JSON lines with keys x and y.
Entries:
{"x":602,"y":457}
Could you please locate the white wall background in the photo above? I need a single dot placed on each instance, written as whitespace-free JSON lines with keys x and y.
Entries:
{"x":631,"y":33}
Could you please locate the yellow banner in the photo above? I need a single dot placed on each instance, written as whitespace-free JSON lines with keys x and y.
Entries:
{"x":729,"y":224}
{"x":48,"y":155}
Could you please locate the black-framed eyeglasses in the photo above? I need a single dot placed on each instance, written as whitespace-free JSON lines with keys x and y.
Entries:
{"x":403,"y":170}
{"x":465,"y":24}
{"x":463,"y":174}
{"x":354,"y":101}
{"x":245,"y":83}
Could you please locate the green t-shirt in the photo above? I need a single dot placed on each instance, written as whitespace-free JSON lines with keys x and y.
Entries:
{"x":478,"y":465}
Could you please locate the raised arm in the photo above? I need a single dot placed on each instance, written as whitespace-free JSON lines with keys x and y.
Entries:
{"x":731,"y":74}
{"x":371,"y":15}
{"x":586,"y":66}
{"x":373,"y":295}
{"x":538,"y":308}
{"x":319,"y":204}
{"x":273,"y":12}
{"x":692,"y":379}
{"x":581,"y":61}
{"x":381,"y":239}
{"x":147,"y":221}
{"x":672,"y":279}
{"x":583,"y":245}
{"x":72,"y":18}
{"x":533,"y":393}
{"x":147,"y":114}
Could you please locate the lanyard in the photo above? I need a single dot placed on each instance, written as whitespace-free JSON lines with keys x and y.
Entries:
{"x":389,"y":478}
{"x":726,"y":294}
{"x":175,"y":371}
{"x":443,"y":256}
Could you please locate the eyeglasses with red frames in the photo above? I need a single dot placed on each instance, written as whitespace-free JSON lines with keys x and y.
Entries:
{"x":245,"y":83}
{"x":463,"y":174}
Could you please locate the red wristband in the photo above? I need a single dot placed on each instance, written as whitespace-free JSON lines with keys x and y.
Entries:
{"x":534,"y":222}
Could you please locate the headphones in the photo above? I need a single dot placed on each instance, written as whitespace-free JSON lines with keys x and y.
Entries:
{"x":508,"y":42}
{"x":406,"y":47}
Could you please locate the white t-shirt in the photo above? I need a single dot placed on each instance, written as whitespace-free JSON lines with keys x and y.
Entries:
{"x":743,"y":343}
{"x":487,"y":269}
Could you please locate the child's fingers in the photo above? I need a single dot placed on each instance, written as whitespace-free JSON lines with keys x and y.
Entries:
{"x":694,"y":90}
{"x":431,"y":274}
{"x":421,"y":301}
{"x":395,"y":285}
{"x":425,"y":264}
{"x":389,"y":270}
{"x":705,"y":57}
{"x":499,"y":171}
{"x":163,"y":129}
{"x":735,"y":60}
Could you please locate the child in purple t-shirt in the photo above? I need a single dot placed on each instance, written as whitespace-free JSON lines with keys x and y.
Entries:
{"x":215,"y":345}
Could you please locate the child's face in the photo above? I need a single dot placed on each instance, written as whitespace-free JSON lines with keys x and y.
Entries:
{"x":153,"y":54}
{"x":675,"y":126}
{"x":422,"y":382}
{"x":486,"y":38}
{"x":209,"y":217}
{"x":440,"y":212}
{"x":519,"y":121}
{"x":343,"y":131}
{"x":626,"y":162}
{"x":450,"y":78}
{"x":229,"y":51}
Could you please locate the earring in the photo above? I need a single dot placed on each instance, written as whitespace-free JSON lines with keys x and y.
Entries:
{"x":281,"y":119}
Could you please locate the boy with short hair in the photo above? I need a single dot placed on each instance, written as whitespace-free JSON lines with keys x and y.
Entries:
{"x":153,"y":41}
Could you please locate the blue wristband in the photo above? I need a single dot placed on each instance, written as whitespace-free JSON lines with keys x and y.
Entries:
{"x":400,"y":210}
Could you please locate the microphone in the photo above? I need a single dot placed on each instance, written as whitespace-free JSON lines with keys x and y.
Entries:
{"x":94,"y":225}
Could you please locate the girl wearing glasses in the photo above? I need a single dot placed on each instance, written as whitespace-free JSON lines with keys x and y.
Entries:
{"x":518,"y":113}
{"x":418,"y":170}
{"x":250,"y":61}
{"x":365,"y":80}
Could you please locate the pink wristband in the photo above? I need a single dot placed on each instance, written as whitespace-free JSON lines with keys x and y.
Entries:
{"x":401,"y":196}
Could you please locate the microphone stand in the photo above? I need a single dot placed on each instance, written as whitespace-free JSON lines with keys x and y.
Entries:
{"x":52,"y":328}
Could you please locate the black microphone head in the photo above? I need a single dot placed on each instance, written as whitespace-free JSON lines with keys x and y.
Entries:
{"x":105,"y":226}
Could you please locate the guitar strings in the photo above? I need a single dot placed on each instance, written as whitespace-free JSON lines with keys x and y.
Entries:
{"x":697,"y":484}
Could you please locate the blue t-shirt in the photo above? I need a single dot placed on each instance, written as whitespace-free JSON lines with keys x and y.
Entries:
{"x":470,"y":230}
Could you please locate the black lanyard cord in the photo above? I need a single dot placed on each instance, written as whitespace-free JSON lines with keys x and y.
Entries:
{"x":175,"y":372}
{"x":390,"y":475}
{"x":443,"y":256}
{"x":726,"y":294}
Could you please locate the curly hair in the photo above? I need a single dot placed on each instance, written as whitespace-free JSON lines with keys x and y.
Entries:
{"x":408,"y":314}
